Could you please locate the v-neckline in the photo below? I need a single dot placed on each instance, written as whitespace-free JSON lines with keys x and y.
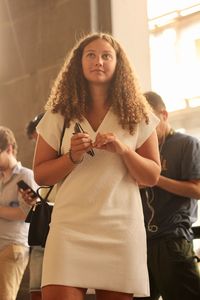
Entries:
{"x":101,"y":123}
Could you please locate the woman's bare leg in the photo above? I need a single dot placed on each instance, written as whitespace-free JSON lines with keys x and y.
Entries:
{"x":61,"y":292}
{"x":109,"y":295}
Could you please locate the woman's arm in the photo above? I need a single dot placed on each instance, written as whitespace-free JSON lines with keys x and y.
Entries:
{"x":143,"y":164}
{"x":48,"y":168}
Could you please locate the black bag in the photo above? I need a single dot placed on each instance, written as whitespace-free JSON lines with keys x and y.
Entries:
{"x":39,"y":218}
{"x":39,"y":215}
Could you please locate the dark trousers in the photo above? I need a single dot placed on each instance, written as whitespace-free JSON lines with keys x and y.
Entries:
{"x":173,"y":270}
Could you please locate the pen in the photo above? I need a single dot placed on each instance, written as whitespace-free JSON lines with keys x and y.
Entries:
{"x":78,"y":128}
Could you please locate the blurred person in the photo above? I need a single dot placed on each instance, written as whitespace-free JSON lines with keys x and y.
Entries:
{"x":170,"y":209}
{"x":31,"y":127}
{"x":37,"y":252}
{"x":97,"y":236}
{"x":14,"y":250}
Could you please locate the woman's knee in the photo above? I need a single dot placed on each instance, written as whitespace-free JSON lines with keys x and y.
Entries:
{"x":61,"y":292}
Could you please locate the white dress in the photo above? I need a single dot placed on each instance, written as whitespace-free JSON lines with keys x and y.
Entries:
{"x":97,"y":236}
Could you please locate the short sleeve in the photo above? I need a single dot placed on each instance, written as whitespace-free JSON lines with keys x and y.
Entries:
{"x":145,"y":130}
{"x":50,"y":128}
{"x":190,"y":165}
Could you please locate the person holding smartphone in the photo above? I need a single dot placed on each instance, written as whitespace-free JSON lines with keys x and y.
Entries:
{"x":14,"y":249}
{"x":97,"y":236}
{"x":37,"y":252}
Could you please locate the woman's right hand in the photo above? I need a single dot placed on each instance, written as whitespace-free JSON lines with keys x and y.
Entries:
{"x":80,"y":144}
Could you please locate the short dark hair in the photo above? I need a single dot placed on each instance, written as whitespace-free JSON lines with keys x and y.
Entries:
{"x":31,"y":126}
{"x":155,"y":101}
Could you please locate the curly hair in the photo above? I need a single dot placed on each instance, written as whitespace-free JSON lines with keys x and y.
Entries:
{"x":70,"y":94}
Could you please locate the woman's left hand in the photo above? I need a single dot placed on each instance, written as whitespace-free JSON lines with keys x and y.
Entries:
{"x":109,"y":142}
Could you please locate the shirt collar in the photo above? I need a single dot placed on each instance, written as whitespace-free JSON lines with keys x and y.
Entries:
{"x":17,"y":168}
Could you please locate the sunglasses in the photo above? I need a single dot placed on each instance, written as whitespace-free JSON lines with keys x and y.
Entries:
{"x":78,"y":128}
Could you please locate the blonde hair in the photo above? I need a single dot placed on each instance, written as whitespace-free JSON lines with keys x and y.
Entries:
{"x":70,"y":94}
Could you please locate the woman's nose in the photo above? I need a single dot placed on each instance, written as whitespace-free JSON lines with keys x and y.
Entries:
{"x":99,"y":61}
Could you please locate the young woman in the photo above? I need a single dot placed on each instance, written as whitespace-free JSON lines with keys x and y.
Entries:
{"x":97,"y":235}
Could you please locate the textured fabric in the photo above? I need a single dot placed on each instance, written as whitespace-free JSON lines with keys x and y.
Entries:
{"x":97,"y":236}
{"x":13,"y":262}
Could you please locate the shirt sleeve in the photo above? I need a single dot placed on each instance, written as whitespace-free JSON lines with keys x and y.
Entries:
{"x":145,"y":130}
{"x":190,"y":166}
{"x":50,"y":128}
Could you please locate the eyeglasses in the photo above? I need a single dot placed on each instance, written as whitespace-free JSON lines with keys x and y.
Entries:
{"x":78,"y":128}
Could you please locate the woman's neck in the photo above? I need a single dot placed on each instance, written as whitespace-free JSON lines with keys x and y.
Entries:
{"x":99,"y":105}
{"x":99,"y":96}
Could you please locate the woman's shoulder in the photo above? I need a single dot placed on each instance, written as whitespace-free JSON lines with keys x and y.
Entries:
{"x":54,"y":116}
{"x":51,"y":120}
{"x":152,"y":122}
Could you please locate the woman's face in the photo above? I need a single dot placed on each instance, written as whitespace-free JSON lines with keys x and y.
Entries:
{"x":99,"y":61}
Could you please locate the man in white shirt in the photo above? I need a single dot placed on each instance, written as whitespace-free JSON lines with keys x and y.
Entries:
{"x":14,"y":250}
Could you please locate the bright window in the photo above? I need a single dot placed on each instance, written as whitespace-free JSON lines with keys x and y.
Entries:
{"x":175,"y":51}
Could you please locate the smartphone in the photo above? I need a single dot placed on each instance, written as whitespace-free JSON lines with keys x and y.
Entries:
{"x":24,"y":186}
{"x":78,"y":128}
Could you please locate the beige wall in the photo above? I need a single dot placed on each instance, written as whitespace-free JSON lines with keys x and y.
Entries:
{"x":129,"y":25}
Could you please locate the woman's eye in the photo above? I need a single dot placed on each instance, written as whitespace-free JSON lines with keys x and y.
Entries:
{"x":106,"y":56}
{"x":90,"y":54}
